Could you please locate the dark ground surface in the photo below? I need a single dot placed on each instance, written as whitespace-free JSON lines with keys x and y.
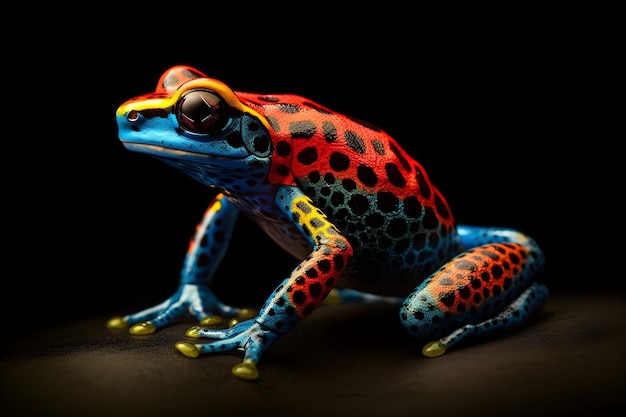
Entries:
{"x":506,"y":111}
{"x":345,"y":360}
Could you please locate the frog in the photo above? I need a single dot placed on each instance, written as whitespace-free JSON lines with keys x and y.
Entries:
{"x":361,"y":217}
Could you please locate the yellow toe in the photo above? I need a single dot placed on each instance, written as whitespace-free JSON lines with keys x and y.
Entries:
{"x":193,"y":331}
{"x":247,"y":313}
{"x":246,"y":370}
{"x":434,"y":349}
{"x":116,"y":323}
{"x":143,"y":328}
{"x":212,"y":321}
{"x":188,"y":349}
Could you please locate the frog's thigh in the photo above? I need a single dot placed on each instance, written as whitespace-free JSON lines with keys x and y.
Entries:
{"x":458,"y":301}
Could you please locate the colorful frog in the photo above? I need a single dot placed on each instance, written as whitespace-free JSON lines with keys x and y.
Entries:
{"x":340,"y":195}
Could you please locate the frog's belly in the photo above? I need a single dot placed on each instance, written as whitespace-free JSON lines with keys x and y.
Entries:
{"x":287,"y":237}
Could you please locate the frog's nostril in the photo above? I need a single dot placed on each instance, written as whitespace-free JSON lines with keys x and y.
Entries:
{"x":133,"y":115}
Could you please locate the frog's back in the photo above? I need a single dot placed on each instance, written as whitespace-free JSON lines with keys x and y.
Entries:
{"x":399,"y":224}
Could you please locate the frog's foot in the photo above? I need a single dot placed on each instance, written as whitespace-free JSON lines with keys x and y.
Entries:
{"x":248,"y":336}
{"x":189,"y":300}
{"x":516,"y":313}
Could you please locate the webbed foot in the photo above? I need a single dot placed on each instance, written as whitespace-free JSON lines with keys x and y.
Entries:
{"x":248,"y":336}
{"x":190,"y":300}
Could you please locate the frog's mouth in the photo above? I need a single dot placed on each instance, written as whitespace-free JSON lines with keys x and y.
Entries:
{"x":164,"y":152}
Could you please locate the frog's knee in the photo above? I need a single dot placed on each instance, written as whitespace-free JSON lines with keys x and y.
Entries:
{"x":421,"y":317}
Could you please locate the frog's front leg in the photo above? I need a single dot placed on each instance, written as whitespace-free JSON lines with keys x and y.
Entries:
{"x":193,"y":297}
{"x":484,"y":289}
{"x":294,"y":299}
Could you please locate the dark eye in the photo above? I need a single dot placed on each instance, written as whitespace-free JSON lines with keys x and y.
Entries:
{"x":201,"y":111}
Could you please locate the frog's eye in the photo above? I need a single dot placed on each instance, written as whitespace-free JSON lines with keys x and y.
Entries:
{"x":201,"y":111}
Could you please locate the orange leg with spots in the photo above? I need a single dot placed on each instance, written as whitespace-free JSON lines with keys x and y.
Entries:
{"x":484,"y":289}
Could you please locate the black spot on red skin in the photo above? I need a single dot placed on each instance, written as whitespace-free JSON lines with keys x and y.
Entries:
{"x":507,"y":283}
{"x":307,"y":156}
{"x":496,"y":271}
{"x":315,"y":289}
{"x":339,"y":161}
{"x":366,"y":175}
{"x":283,"y":148}
{"x":464,"y":292}
{"x":299,"y":297}
{"x":283,"y":170}
{"x":324,"y":265}
{"x":394,"y":175}
{"x":401,"y":158}
{"x":499,"y":249}
{"x":423,"y":185}
{"x":448,"y":299}
{"x":475,"y":283}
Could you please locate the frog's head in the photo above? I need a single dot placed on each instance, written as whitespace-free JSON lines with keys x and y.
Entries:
{"x":193,"y":119}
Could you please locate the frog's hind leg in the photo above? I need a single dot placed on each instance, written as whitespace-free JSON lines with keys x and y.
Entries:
{"x":482,"y":290}
{"x":515,"y":314}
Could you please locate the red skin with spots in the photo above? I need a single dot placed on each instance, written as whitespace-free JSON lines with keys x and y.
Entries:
{"x":491,"y":271}
{"x":411,"y":178}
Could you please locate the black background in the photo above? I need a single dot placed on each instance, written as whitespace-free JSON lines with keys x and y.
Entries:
{"x":504,"y":116}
